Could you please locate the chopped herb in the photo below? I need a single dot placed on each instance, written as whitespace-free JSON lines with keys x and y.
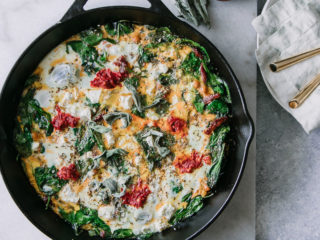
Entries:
{"x":111,"y":117}
{"x":218,"y":107}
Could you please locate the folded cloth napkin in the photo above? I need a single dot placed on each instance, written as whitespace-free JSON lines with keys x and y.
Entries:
{"x":286,"y":32}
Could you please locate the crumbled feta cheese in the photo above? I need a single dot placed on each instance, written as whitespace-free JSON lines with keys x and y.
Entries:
{"x":110,"y":138}
{"x":66,"y":194}
{"x":166,"y":211}
{"x":106,"y":211}
{"x":196,"y":137}
{"x":61,"y":76}
{"x":93,"y":95}
{"x":35,"y":146}
{"x":149,"y":140}
{"x":126,"y":102}
{"x":44,"y":98}
{"x":152,"y":115}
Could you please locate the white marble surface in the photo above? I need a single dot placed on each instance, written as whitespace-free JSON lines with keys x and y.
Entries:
{"x":21,"y":21}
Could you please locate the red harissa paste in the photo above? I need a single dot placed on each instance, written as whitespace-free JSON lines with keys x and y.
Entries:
{"x":176,"y":124}
{"x":69,"y":173}
{"x":64,"y":120}
{"x":187,"y":164}
{"x":137,"y":196}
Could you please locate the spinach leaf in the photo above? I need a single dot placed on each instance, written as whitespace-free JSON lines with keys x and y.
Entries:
{"x":218,"y":85}
{"x":23,"y":140}
{"x":111,"y":117}
{"x":218,"y":107}
{"x":86,"y":216}
{"x":155,"y":144}
{"x":88,"y":136}
{"x":217,"y":147}
{"x":30,"y":80}
{"x":29,"y":111}
{"x":41,"y":117}
{"x":123,"y":233}
{"x":194,"y":205}
{"x":119,"y":28}
{"x":48,"y":181}
{"x":88,"y":54}
{"x":124,"y":28}
{"x":167,"y":79}
{"x":196,"y":45}
{"x":191,"y":65}
{"x":91,"y":36}
{"x":198,"y":103}
{"x":145,"y":55}
{"x":161,"y":35}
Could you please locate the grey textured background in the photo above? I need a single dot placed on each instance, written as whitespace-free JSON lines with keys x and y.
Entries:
{"x":287,"y":168}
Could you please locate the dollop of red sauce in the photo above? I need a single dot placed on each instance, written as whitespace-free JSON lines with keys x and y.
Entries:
{"x":107,"y":79}
{"x":176,"y":124}
{"x":63,"y":120}
{"x":187,"y":164}
{"x":137,"y":196}
{"x":69,"y":173}
{"x":215,"y":124}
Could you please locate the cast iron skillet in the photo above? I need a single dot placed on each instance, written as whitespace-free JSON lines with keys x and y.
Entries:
{"x":75,"y":20}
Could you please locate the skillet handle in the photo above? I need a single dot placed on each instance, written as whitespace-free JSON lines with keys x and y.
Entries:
{"x":159,"y":7}
{"x":77,"y":8}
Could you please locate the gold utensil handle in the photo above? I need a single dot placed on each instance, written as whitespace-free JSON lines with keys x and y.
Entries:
{"x":288,"y":62}
{"x":305,"y":92}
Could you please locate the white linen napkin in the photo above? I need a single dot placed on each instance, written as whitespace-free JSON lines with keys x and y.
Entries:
{"x":285,"y":34}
